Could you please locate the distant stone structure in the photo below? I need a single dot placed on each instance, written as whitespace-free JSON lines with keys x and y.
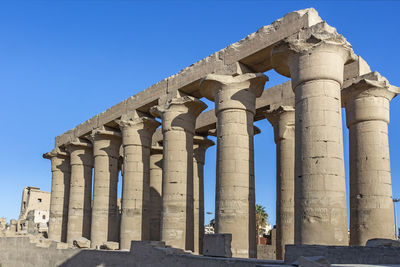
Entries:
{"x":162,"y":168}
{"x":35,"y":211}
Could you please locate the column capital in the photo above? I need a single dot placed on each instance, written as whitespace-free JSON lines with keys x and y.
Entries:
{"x":103,"y":132}
{"x":137,"y":120}
{"x":80,"y":151}
{"x":367,"y":98}
{"x":317,"y":52}
{"x":137,"y":129}
{"x":179,"y":113}
{"x":283,"y":121}
{"x":77,"y":143}
{"x":104,"y":140}
{"x":370,"y":84}
{"x":274,"y":113}
{"x":233,"y":92}
{"x":156,"y":150}
{"x":202,"y":141}
{"x":55,"y":153}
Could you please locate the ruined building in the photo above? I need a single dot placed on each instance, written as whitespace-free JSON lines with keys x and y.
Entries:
{"x":162,"y":163}
{"x":35,"y":210}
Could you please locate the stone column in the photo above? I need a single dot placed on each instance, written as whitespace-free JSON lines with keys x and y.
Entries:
{"x":314,"y":59}
{"x":61,"y":175}
{"x":235,"y":99}
{"x":200,"y":146}
{"x":106,"y":145}
{"x":282,"y":119}
{"x":367,"y":112}
{"x":155,"y":192}
{"x":178,"y":125}
{"x":80,"y":197}
{"x":137,"y":132}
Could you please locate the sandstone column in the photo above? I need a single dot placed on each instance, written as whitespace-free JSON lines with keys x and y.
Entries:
{"x":137,"y":132}
{"x":367,"y":110}
{"x":155,"y":192}
{"x":200,"y":146}
{"x":80,"y":198}
{"x":61,"y":175}
{"x":106,"y":145}
{"x":178,"y":125}
{"x":314,"y":59}
{"x":235,"y":99}
{"x":282,"y":119}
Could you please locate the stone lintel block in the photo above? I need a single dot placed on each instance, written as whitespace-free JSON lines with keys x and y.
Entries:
{"x":266,"y":36}
{"x":149,"y":95}
{"x":111,"y":114}
{"x":86,"y":127}
{"x":356,"y":68}
{"x":217,"y":245}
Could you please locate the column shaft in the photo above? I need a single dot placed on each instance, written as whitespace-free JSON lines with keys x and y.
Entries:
{"x":199,"y":150}
{"x":80,"y":200}
{"x":178,"y":123}
{"x":235,"y":197}
{"x":106,"y":145}
{"x":371,"y":204}
{"x":155,"y":193}
{"x":282,"y":120}
{"x":314,"y":59}
{"x":61,"y":175}
{"x":136,"y":139}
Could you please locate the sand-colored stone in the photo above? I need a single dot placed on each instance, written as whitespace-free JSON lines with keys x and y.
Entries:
{"x":235,"y":100}
{"x":106,"y":146}
{"x":282,"y":119}
{"x":137,"y":131}
{"x":61,"y":176}
{"x":367,"y":101}
{"x":155,"y":192}
{"x":200,"y":145}
{"x":178,"y":123}
{"x":314,"y":59}
{"x":80,"y":198}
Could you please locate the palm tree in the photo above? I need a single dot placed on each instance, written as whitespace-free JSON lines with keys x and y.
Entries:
{"x":261,"y":220}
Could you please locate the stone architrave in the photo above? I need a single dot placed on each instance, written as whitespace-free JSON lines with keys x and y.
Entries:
{"x":106,"y":146}
{"x":367,"y":101}
{"x":200,"y":145}
{"x":61,"y":175}
{"x":235,"y":99}
{"x":80,"y":196}
{"x":282,"y":120}
{"x":155,"y":192}
{"x":137,"y":132}
{"x":178,"y":124}
{"x":314,"y":59}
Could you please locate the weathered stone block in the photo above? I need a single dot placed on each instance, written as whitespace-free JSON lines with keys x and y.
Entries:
{"x":217,"y":245}
{"x":82,"y":242}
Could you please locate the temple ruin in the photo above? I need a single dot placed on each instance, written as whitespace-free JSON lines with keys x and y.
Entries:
{"x":162,"y":163}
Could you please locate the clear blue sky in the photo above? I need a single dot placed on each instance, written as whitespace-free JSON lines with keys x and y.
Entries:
{"x":62,"y":62}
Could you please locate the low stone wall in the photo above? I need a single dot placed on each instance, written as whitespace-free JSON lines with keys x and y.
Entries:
{"x":266,"y":252}
{"x":345,"y":254}
{"x":20,"y":251}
